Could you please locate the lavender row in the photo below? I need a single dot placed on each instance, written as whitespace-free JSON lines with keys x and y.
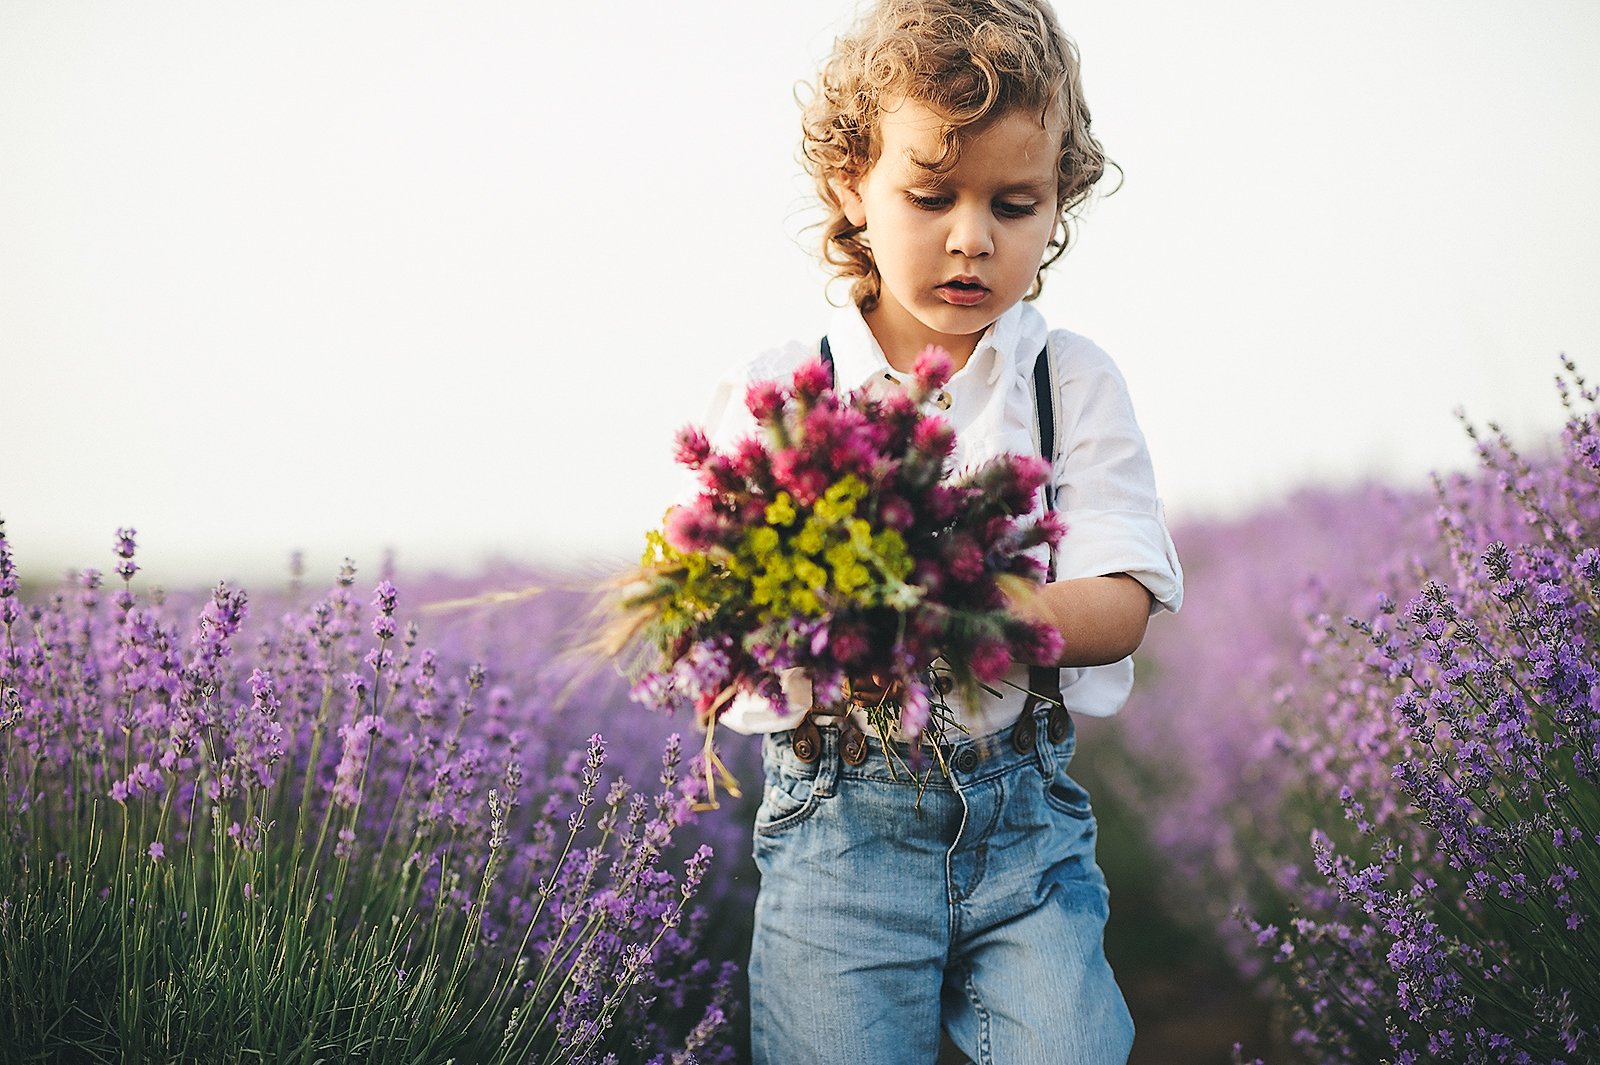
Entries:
{"x":1370,"y":749}
{"x":290,"y":828}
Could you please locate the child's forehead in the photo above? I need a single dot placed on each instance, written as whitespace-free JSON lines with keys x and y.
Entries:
{"x":905,"y":115}
{"x":912,"y":132}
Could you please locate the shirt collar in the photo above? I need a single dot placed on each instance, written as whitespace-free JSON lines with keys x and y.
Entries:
{"x":1007,"y":346}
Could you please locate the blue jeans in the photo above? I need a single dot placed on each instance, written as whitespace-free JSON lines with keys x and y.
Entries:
{"x":979,"y":909}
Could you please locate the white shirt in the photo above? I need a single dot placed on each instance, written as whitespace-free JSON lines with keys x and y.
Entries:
{"x":1105,"y":487}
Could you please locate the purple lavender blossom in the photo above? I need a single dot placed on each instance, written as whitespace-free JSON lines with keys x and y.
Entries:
{"x":1439,"y":747}
{"x":237,"y":731}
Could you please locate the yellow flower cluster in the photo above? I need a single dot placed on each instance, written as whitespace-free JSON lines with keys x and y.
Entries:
{"x":695,"y":584}
{"x":831,"y":557}
{"x":793,"y":564}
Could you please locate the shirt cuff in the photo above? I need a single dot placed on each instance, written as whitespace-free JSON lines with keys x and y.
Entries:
{"x":1100,"y":542}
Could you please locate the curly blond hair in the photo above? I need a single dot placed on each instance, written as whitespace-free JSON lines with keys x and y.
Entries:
{"x":970,"y":61}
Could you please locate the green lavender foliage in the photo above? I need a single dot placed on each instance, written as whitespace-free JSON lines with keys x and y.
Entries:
{"x":332,"y":856}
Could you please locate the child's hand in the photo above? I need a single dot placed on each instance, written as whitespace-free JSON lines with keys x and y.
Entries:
{"x":873,"y":690}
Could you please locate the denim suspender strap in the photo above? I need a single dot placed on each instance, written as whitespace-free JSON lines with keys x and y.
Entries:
{"x":1044,"y":403}
{"x":1044,"y":700}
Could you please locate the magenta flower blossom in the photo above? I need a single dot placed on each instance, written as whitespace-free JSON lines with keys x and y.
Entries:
{"x":932,"y":368}
{"x":692,"y":448}
{"x":764,"y":400}
{"x":811,"y":380}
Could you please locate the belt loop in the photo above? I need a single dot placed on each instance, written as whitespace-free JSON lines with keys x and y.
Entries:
{"x":1044,"y":750}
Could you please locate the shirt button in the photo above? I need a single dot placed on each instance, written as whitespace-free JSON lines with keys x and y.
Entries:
{"x":966,"y":760}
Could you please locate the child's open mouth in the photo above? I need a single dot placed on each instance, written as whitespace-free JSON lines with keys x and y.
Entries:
{"x":963,"y":292}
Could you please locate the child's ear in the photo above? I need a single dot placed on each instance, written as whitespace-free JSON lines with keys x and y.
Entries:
{"x":845,"y":187}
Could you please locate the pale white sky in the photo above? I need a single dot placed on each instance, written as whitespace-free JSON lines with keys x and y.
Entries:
{"x":445,"y":278}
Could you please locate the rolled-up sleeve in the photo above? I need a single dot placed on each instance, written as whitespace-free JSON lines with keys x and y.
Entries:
{"x":1105,"y":484}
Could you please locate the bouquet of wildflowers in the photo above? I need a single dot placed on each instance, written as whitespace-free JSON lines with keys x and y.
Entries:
{"x":836,"y":541}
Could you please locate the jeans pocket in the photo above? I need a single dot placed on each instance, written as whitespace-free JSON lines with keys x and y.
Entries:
{"x":1067,"y":795}
{"x":788,"y":799}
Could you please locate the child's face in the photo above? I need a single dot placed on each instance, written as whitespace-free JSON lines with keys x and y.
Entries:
{"x":954,"y":250}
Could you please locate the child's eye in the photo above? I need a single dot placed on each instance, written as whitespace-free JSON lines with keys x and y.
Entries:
{"x":927,"y":202}
{"x":1016,"y":210}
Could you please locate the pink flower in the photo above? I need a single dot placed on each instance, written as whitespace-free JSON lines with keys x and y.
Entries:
{"x":827,"y":685}
{"x":930,"y":577}
{"x":717,"y":474}
{"x":963,"y":557}
{"x":898,"y":407}
{"x":989,"y":660}
{"x":932,"y":368}
{"x":852,"y":455}
{"x":895,"y":512}
{"x":999,"y":529}
{"x":792,"y":470}
{"x":934,"y":437}
{"x":943,"y":502}
{"x":1028,"y":567}
{"x":764,"y":400}
{"x":157,"y":852}
{"x":915,"y":710}
{"x":750,"y":460}
{"x":1028,"y":474}
{"x":1041,"y":643}
{"x":850,"y":644}
{"x":693,"y":528}
{"x":811,"y":380}
{"x":693,"y":447}
{"x":1051,"y":527}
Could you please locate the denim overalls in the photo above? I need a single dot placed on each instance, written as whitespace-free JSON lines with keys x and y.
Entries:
{"x":979,"y":909}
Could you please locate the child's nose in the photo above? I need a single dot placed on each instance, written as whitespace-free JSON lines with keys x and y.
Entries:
{"x":970,"y":233}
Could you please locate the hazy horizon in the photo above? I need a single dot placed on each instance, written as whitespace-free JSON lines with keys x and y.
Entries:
{"x":445,"y":280}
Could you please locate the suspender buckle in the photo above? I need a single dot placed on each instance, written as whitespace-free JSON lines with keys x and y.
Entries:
{"x":852,"y":742}
{"x":1059,"y":723}
{"x":1025,"y":733}
{"x":807,"y":742}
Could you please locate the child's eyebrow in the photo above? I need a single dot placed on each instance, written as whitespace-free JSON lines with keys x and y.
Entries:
{"x":1041,"y":187}
{"x":1044,"y":186}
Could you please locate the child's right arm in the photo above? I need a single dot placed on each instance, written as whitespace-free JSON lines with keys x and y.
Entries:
{"x":1101,"y":619}
{"x":1116,"y":565}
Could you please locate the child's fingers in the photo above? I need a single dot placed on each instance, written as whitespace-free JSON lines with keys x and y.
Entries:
{"x":875,"y":690}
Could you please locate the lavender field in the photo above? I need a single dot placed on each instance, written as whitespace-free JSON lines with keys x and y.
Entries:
{"x":1350,"y":816}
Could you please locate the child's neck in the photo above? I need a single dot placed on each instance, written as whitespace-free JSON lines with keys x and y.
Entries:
{"x":902,"y":341}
